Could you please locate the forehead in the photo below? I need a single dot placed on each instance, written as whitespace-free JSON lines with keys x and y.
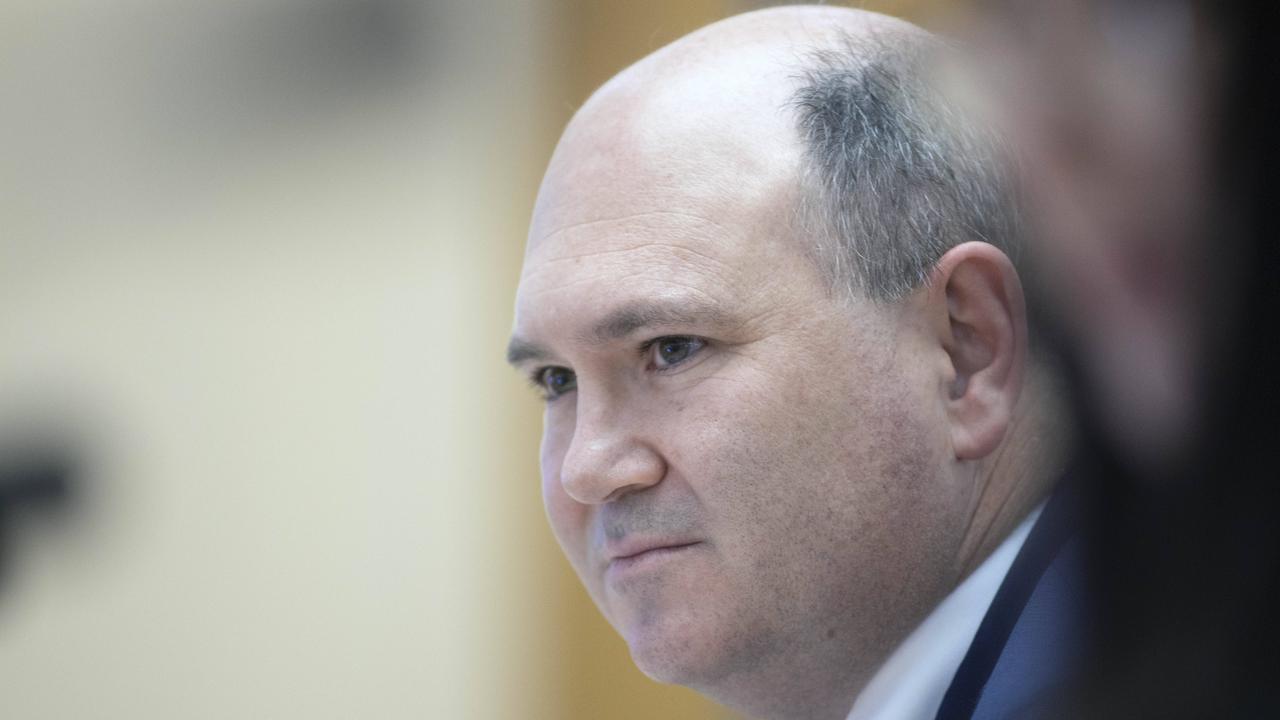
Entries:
{"x":725,"y":272}
{"x":667,"y":194}
{"x":621,"y":243}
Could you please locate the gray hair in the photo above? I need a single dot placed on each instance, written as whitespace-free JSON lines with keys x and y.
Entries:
{"x":894,"y":174}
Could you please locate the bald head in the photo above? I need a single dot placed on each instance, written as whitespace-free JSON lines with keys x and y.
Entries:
{"x":825,"y":117}
{"x":712,"y":111}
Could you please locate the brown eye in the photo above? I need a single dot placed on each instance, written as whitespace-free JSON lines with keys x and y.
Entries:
{"x":669,"y":351}
{"x":556,"y":381}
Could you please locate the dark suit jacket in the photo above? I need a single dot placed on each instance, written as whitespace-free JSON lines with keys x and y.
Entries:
{"x":1029,"y":638}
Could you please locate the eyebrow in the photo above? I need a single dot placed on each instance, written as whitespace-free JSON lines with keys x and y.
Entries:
{"x":626,"y":320}
{"x":647,"y":313}
{"x":520,"y":350}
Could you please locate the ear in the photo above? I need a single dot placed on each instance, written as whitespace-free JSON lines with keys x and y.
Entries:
{"x":978,"y":315}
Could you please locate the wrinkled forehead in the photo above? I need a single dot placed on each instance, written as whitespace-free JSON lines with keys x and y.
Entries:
{"x":726,"y":261}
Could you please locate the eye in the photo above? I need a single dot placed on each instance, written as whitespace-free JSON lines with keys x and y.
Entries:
{"x":671,"y":351}
{"x":555,"y":381}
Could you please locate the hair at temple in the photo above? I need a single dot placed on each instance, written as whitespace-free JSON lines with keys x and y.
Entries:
{"x":895,"y":174}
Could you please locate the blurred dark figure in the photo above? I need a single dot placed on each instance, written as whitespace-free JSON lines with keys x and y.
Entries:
{"x":30,"y":478}
{"x":1148,"y":129}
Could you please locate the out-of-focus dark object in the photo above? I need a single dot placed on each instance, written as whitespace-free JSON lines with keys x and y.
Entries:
{"x":31,"y":479}
{"x":1151,"y":135}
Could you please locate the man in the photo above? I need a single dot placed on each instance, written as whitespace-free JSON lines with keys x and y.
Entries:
{"x":793,"y":438}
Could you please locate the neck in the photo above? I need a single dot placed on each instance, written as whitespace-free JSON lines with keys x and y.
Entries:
{"x":1019,"y":475}
{"x":805,"y":684}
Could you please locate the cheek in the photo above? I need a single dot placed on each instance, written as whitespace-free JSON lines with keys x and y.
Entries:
{"x":800,"y":448}
{"x":742,"y":446}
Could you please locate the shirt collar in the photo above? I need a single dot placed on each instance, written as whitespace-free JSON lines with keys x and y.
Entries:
{"x":910,"y":685}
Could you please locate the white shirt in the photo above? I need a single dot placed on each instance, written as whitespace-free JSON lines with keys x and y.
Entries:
{"x":910,"y":685}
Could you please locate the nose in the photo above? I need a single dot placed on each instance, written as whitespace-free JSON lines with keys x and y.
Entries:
{"x":606,"y":460}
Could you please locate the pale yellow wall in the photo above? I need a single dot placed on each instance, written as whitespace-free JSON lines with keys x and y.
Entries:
{"x":276,"y":307}
{"x":275,"y":326}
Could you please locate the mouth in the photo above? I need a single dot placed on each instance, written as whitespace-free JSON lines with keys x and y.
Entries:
{"x":647,"y":557}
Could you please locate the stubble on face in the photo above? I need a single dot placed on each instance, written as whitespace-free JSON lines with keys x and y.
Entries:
{"x":823,"y":490}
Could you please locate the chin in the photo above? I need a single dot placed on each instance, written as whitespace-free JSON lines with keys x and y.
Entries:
{"x":668,"y":646}
{"x":692,"y":649}
{"x":667,"y":661}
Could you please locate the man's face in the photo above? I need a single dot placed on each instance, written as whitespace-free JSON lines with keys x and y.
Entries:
{"x":741,"y":467}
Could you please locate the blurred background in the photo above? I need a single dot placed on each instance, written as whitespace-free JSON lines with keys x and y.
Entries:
{"x":260,"y":454}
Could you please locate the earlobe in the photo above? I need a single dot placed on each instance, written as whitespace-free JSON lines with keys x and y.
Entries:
{"x":981,"y":323}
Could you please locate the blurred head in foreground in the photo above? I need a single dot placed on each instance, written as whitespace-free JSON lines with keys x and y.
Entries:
{"x":1109,"y":103}
{"x":1149,"y":150}
{"x":769,"y":300}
